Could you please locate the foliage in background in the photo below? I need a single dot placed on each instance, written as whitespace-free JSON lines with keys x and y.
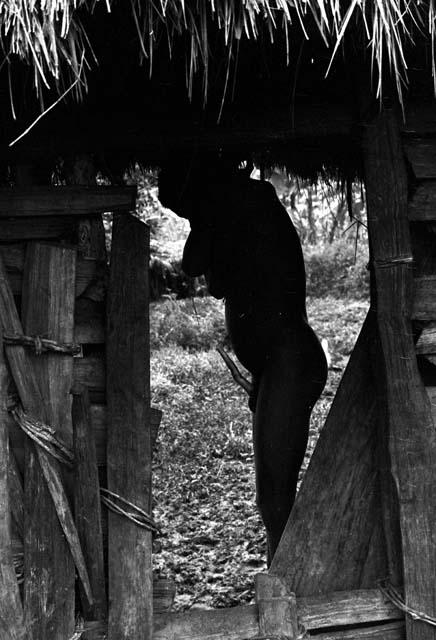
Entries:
{"x":213,"y":540}
{"x":335,"y":247}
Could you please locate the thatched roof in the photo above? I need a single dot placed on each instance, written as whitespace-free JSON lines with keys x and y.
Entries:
{"x":148,"y":76}
{"x":51,"y":36}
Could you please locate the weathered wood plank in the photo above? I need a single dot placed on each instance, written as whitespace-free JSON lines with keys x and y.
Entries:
{"x":412,"y":436}
{"x":91,"y":372}
{"x":314,"y":613}
{"x":424,"y":298}
{"x":48,"y":309}
{"x":87,"y":509}
{"x":14,"y":256}
{"x":69,"y":201}
{"x":40,"y":228}
{"x":11,"y":609}
{"x":394,"y":631}
{"x":89,"y":322}
{"x":421,"y":153}
{"x":129,"y":442}
{"x":33,"y":403}
{"x":276,"y":607}
{"x":422,"y":206}
{"x":326,"y":541}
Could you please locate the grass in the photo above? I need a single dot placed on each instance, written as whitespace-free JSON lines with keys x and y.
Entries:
{"x":213,"y":540}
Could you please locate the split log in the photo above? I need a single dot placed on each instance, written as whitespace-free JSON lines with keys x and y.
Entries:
{"x":326,"y":542}
{"x":129,"y":442}
{"x":65,"y":201}
{"x":11,"y":609}
{"x":412,"y":436}
{"x":48,"y":309}
{"x":87,"y":507}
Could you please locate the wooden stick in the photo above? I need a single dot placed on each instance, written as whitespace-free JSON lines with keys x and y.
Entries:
{"x":236,"y":374}
{"x":412,"y":435}
{"x":11,"y":609}
{"x":87,"y":504}
{"x":129,"y":440}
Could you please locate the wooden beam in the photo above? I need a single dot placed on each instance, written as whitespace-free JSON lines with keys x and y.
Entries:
{"x":11,"y":609}
{"x":129,"y":441}
{"x":40,"y":228}
{"x":314,"y":613}
{"x":327,"y":538}
{"x":48,"y":309}
{"x":412,"y":436}
{"x":65,"y":201}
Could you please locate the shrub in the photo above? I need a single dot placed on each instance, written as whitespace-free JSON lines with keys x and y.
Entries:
{"x":191,"y":324}
{"x":336,"y":269}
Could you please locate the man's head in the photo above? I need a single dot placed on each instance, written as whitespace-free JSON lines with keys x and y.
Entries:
{"x":190,"y":186}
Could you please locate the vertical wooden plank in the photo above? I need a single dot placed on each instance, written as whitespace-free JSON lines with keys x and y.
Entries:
{"x":11,"y":609}
{"x":87,"y":505}
{"x":412,"y":436}
{"x":34,"y":405}
{"x":327,"y":538}
{"x":129,"y":446}
{"x":277,"y":608}
{"x":48,"y":309}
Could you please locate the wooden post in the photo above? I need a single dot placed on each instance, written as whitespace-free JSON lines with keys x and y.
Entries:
{"x":129,"y":442}
{"x":87,"y":505}
{"x":48,"y":310}
{"x":412,"y":436}
{"x":277,"y":608}
{"x":11,"y":609}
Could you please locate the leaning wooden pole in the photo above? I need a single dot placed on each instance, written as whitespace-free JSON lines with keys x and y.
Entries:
{"x":411,"y":432}
{"x":129,"y":441}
